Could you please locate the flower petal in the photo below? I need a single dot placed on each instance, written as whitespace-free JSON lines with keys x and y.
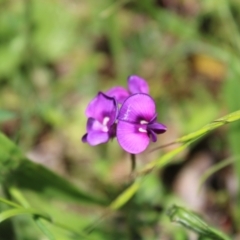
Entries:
{"x":95,"y":125}
{"x":102,"y":106}
{"x":157,"y":127}
{"x":130,"y":138}
{"x":136,"y":108}
{"x":153,"y":135}
{"x":97,"y":137}
{"x":137,"y":85}
{"x":84,"y":138}
{"x":98,"y":133}
{"x":119,"y":93}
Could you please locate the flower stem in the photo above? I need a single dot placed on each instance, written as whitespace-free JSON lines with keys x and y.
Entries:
{"x":133,"y":163}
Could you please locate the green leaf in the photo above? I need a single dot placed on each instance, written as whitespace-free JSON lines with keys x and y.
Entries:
{"x":193,"y":222}
{"x":123,"y":198}
{"x":43,"y":228}
{"x":190,"y":138}
{"x":10,"y":203}
{"x":39,"y":222}
{"x":232,"y":117}
{"x":66,"y":225}
{"x":20,"y":211}
{"x":18,"y":196}
{"x":17,"y":170}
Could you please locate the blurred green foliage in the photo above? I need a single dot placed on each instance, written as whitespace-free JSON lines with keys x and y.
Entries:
{"x":55,"y":55}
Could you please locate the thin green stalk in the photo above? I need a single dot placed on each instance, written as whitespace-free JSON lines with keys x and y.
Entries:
{"x":193,"y":222}
{"x":17,"y":195}
{"x":12,"y":204}
{"x":216,"y":167}
{"x":133,"y":163}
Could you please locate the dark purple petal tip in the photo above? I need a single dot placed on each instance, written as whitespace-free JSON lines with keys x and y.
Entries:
{"x":84,"y":138}
{"x":157,"y":127}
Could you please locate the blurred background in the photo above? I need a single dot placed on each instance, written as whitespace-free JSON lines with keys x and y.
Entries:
{"x":55,"y":55}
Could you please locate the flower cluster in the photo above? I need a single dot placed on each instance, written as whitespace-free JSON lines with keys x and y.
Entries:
{"x":130,"y":115}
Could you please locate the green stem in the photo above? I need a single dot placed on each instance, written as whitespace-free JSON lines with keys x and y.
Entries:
{"x":133,"y":163}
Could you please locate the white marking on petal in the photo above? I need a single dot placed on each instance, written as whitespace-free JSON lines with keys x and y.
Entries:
{"x":105,"y":129}
{"x":98,"y":126}
{"x":143,"y":122}
{"x":125,"y":117}
{"x":105,"y":121}
{"x":142,"y":130}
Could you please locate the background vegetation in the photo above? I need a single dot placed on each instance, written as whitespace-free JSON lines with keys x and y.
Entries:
{"x":55,"y":55}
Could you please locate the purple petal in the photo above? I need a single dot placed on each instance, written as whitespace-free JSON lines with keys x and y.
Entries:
{"x":119,"y":93}
{"x":95,"y":125}
{"x":97,"y":133}
{"x":153,"y":135}
{"x":112,"y":131}
{"x":137,"y":85}
{"x":154,"y":118}
{"x":157,"y":127}
{"x":102,"y":106}
{"x":137,"y":108}
{"x":130,"y":138}
{"x":96,"y":137}
{"x":84,"y":138}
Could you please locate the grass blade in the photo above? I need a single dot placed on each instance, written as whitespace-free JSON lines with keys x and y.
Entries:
{"x":21,"y":211}
{"x":10,"y":203}
{"x":193,"y":222}
{"x":16,"y":170}
{"x":43,"y":228}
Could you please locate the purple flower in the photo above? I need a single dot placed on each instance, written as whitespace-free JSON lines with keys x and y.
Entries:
{"x":137,"y":123}
{"x":101,"y":112}
{"x":135,"y":85}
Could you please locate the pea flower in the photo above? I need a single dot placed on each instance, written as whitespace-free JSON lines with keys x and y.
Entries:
{"x":136,"y":84}
{"x":137,"y":123}
{"x":102,"y":113}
